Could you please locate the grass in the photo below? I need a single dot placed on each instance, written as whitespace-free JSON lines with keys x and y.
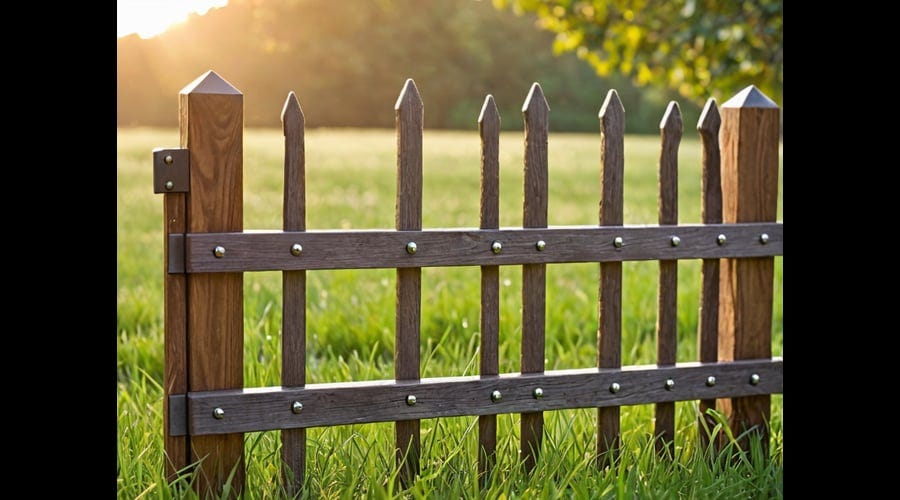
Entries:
{"x":351,"y":184}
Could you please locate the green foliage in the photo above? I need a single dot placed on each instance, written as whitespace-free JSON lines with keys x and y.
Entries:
{"x":350,"y":320}
{"x":698,"y":47}
{"x":347,"y":61}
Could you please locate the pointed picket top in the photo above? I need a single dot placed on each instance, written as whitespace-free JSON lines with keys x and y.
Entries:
{"x":612,"y":112}
{"x":292,"y":113}
{"x":671,"y":122}
{"x":489,"y":118}
{"x":710,"y":120}
{"x":409,"y":97}
{"x":750,"y":97}
{"x":210,"y":83}
{"x":535,"y":104}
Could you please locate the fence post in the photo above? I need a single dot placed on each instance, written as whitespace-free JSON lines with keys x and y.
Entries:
{"x":535,"y":112}
{"x":749,"y":137}
{"x":211,"y":114}
{"x":410,"y":114}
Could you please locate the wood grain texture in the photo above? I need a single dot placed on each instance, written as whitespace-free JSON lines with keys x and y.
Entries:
{"x":749,"y":136}
{"x":609,"y":303}
{"x":410,"y":119}
{"x":489,"y":130}
{"x":710,"y":213}
{"x":370,"y":249}
{"x":269,"y":408}
{"x":175,"y":333}
{"x":667,"y":290}
{"x":212,"y":129}
{"x":535,"y":112}
{"x":293,"y":308}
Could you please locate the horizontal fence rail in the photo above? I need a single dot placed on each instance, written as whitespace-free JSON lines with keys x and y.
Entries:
{"x":371,"y":249}
{"x":269,"y":408}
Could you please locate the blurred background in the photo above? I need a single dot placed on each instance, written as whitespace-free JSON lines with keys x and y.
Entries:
{"x":347,"y":60}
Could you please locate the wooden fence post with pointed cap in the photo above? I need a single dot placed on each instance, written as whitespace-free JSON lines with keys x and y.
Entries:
{"x":667,"y":305}
{"x":609,"y":303}
{"x":710,"y":213}
{"x":293,"y":284}
{"x":749,"y":139}
{"x":536,"y":112}
{"x":489,"y":129}
{"x":212,"y":117}
{"x":410,"y":121}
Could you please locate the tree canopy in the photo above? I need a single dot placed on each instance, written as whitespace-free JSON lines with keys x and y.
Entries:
{"x":697,"y":47}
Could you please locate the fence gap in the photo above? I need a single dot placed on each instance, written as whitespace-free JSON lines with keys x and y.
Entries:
{"x":749,"y":138}
{"x":489,"y":129}
{"x":609,"y":301}
{"x":710,"y":213}
{"x":293,"y":307}
{"x":410,"y":119}
{"x":667,"y":292}
{"x":535,"y":112}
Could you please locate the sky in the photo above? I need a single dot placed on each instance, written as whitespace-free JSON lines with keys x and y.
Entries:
{"x":149,"y":18}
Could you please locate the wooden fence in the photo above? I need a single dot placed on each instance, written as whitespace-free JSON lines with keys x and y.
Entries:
{"x":207,"y":407}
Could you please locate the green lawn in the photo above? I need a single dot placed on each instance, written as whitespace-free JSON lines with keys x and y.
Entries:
{"x":351,"y":184}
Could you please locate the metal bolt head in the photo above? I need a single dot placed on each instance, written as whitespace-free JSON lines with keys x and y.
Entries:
{"x":614,"y":387}
{"x":495,"y":396}
{"x":710,"y":381}
{"x":296,"y":249}
{"x":675,"y":241}
{"x":496,"y":247}
{"x":169,"y":160}
{"x":540,"y":245}
{"x":764,"y":238}
{"x":219,"y":251}
{"x":410,"y":400}
{"x":218,"y":414}
{"x":754,"y":379}
{"x":297,"y":407}
{"x":618,"y":242}
{"x":670,"y":384}
{"x":411,"y":248}
{"x":720,"y":239}
{"x":538,"y":393}
{"x":170,"y":185}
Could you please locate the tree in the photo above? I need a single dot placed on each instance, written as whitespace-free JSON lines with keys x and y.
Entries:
{"x":700,"y":48}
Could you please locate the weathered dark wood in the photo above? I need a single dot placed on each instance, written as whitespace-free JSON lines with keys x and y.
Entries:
{"x":535,"y":112}
{"x":749,"y":135}
{"x":370,"y":249}
{"x":710,"y":213}
{"x":609,"y":304}
{"x":212,"y":129}
{"x":410,"y":120}
{"x":293,"y":307}
{"x":489,"y":129}
{"x":175,"y":332}
{"x":268,"y":408}
{"x":667,"y":291}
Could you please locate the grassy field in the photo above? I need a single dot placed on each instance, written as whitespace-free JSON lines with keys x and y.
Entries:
{"x":351,"y":184}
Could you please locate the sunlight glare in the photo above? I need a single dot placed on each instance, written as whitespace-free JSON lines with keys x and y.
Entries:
{"x":149,"y":18}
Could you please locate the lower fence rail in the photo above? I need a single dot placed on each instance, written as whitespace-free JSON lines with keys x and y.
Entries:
{"x":318,"y":405}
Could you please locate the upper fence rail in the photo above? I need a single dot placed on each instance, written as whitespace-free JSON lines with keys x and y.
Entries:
{"x":371,"y":249}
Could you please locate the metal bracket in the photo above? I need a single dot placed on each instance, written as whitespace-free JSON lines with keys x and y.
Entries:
{"x":178,"y":421}
{"x":171,"y":170}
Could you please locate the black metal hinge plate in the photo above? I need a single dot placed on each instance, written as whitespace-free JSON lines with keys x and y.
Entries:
{"x":171,"y":170}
